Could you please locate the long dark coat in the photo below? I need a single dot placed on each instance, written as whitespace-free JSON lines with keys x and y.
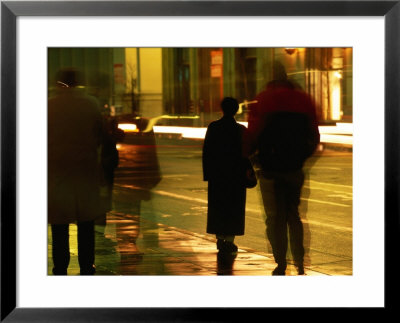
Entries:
{"x":74,"y":134}
{"x":224,"y":169}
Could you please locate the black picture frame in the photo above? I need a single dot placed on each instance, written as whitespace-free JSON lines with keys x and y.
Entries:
{"x":10,"y":10}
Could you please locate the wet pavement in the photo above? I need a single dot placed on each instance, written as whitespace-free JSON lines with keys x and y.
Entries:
{"x":134,"y":246}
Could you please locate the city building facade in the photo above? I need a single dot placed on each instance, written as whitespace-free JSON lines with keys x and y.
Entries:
{"x":190,"y":82}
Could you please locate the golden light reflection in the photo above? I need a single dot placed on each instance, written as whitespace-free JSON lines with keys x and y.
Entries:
{"x":128,"y":127}
{"x":338,"y":75}
{"x":336,"y":103}
{"x":187,"y":132}
{"x":336,"y":93}
{"x":339,"y":133}
{"x":330,"y":138}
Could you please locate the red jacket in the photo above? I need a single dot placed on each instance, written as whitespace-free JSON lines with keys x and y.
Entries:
{"x":282,"y":99}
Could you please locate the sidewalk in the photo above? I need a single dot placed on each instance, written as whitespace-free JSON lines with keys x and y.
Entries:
{"x":133,"y":246}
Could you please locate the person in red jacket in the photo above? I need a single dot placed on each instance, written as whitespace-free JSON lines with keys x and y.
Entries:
{"x":282,"y":133}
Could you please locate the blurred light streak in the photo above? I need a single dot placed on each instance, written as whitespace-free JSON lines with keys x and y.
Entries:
{"x":153,"y":121}
{"x":245,"y":103}
{"x":128,"y":127}
{"x":345,"y":127}
{"x":337,"y":139}
{"x":186,"y":132}
{"x":340,"y":128}
{"x":341,"y":133}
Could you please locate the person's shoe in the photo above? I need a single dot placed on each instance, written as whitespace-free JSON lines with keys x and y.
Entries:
{"x":279,"y":270}
{"x":88,"y":271}
{"x":226,"y":246}
{"x":60,"y":272}
{"x":300,"y":268}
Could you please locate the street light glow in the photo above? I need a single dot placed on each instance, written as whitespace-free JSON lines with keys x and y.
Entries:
{"x":341,"y":133}
{"x":128,"y":127}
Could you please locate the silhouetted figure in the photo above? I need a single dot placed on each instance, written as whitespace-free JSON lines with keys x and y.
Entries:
{"x":224,"y":168}
{"x":283,"y":131}
{"x":74,"y":135}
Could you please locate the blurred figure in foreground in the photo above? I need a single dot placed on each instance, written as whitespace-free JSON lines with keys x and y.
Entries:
{"x":225,"y":170}
{"x":138,"y":169}
{"x":74,"y":135}
{"x":109,"y":161}
{"x":283,"y":131}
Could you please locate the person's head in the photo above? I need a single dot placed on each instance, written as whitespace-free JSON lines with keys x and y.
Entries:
{"x":229,"y":106}
{"x":69,"y":77}
{"x":278,"y":72}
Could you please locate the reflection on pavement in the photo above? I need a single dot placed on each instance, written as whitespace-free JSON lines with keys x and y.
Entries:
{"x":134,"y":246}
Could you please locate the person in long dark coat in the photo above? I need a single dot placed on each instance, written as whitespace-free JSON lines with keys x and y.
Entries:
{"x":74,"y":135}
{"x":224,"y":169}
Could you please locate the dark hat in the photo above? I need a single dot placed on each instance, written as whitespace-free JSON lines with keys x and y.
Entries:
{"x":69,"y":77}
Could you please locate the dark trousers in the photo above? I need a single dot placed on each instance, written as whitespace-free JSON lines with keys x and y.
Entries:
{"x":281,"y":198}
{"x":61,"y":255}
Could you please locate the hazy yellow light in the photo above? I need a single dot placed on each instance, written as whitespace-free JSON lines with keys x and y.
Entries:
{"x":338,"y":139}
{"x":186,"y":132}
{"x":338,"y":75}
{"x":338,"y":134}
{"x":336,"y":103}
{"x":336,"y":93}
{"x":128,"y":127}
